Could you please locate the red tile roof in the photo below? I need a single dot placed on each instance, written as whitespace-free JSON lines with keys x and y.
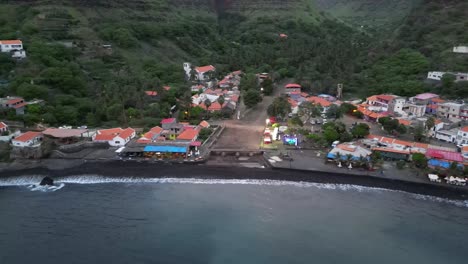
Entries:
{"x":205,"y":68}
{"x":437,"y":100}
{"x":11,"y":42}
{"x":385,"y":97}
{"x":151,"y":93}
{"x":19,"y":105}
{"x":27,"y":136}
{"x":204,"y":124}
{"x":104,"y":137}
{"x":293,"y":85}
{"x":3,"y":125}
{"x":126,"y":133}
{"x":319,"y":100}
{"x":168,"y":120}
{"x":404,"y":122}
{"x":188,"y":134}
{"x":14,"y":101}
{"x":156,"y":130}
{"x":167,"y":88}
{"x":236,"y":72}
{"x":282,"y":35}
{"x":235,"y":98}
{"x":110,"y":131}
{"x":465,"y":149}
{"x":464,"y":129}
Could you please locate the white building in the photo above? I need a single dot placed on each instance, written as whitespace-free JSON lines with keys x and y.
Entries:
{"x":447,"y":135}
{"x":437,"y":76}
{"x":450,"y":110}
{"x":15,"y":47}
{"x":116,"y":137}
{"x":201,"y":73}
{"x":27,"y":139}
{"x":462,"y":136}
{"x":460,"y":49}
{"x":396,"y":106}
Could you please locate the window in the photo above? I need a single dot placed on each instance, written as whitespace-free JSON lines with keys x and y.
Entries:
{"x":117,"y":142}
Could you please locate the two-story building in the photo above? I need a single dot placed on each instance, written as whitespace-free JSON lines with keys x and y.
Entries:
{"x":202,"y":73}
{"x":464,"y":112}
{"x":380,"y":102}
{"x":449,"y":110}
{"x":462,"y":136}
{"x":16,"y":103}
{"x":292,"y":88}
{"x":14,"y":47}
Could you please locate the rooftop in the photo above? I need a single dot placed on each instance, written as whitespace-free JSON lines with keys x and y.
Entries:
{"x":11,"y":42}
{"x":203,"y":69}
{"x":64,"y":133}
{"x":27,"y":136}
{"x":425,"y":96}
{"x":188,"y":134}
{"x":445,"y":155}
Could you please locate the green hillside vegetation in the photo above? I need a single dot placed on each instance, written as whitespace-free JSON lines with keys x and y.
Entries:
{"x":86,"y":83}
{"x":372,"y":16}
{"x":399,"y":64}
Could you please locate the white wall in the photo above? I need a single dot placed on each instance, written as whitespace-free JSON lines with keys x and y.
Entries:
{"x":10,"y":47}
{"x":460,"y":49}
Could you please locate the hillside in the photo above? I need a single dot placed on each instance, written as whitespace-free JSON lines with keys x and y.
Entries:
{"x":373,"y":16}
{"x":85,"y":83}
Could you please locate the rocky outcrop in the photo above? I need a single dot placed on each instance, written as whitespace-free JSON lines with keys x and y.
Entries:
{"x":47,"y":181}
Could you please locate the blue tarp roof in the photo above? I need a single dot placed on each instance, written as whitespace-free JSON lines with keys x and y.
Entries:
{"x":442,"y":163}
{"x":172,"y":149}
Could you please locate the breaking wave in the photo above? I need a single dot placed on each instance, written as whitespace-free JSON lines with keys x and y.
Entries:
{"x":95,"y":179}
{"x":46,"y":188}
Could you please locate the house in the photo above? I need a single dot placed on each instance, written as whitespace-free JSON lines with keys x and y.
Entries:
{"x":319,"y":101}
{"x":464,"y":112}
{"x":447,"y":135}
{"x":345,"y":149}
{"x":416,"y":110}
{"x":3,"y":128}
{"x":66,"y":135}
{"x":423,"y":98}
{"x":14,"y":47}
{"x":462,"y":136}
{"x":460,"y":49}
{"x":443,"y":159}
{"x":16,"y":103}
{"x":292,"y":88}
{"x":171,"y":128}
{"x":450,"y":110}
{"x":28,"y":139}
{"x":116,"y":137}
{"x":283,"y":36}
{"x":433,"y":104}
{"x":189,"y":134}
{"x":200,"y":73}
{"x":437,"y":76}
{"x":396,"y":106}
{"x":204,"y":124}
{"x":151,"y":135}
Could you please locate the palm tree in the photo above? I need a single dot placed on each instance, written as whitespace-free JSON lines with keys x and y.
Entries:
{"x":221,"y":100}
{"x":207,"y":103}
{"x":349,"y":158}
{"x":338,"y":157}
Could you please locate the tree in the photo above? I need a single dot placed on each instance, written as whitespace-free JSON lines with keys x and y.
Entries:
{"x":221,"y":100}
{"x":279,"y":108}
{"x":252,"y":98}
{"x":389,"y":124}
{"x":267,"y":85}
{"x":309,"y":110}
{"x":207,"y":103}
{"x":419,"y":133}
{"x":360,"y":130}
{"x":334,"y":112}
{"x":401,"y":129}
{"x":430,"y":123}
{"x":248,"y":82}
{"x":419,"y":160}
{"x":348,"y":108}
{"x":295,"y":121}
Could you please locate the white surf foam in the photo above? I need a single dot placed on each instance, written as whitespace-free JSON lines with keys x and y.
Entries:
{"x":46,"y":188}
{"x":21,"y":180}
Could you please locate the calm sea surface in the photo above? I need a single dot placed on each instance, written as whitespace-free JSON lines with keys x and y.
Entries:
{"x":191,"y":221}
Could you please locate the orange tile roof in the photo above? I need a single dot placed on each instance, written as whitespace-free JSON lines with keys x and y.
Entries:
{"x":318,"y":100}
{"x":207,"y":68}
{"x":347,"y":147}
{"x":19,"y":105}
{"x":304,"y":94}
{"x":110,"y":131}
{"x":167,"y":88}
{"x":14,"y":101}
{"x":465,"y":149}
{"x":404,"y":122}
{"x":386,"y":97}
{"x":402,"y":143}
{"x":292,"y":102}
{"x":465,"y":129}
{"x":372,"y":98}
{"x":27,"y":136}
{"x":151,"y":93}
{"x":437,"y":100}
{"x":215,"y":106}
{"x":126,"y":133}
{"x":11,"y":42}
{"x":2,"y":125}
{"x":204,"y":124}
{"x":104,"y":137}
{"x":188,"y":134}
{"x":391,"y":150}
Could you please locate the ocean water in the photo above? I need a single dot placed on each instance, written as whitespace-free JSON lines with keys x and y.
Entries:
{"x":87,"y":219}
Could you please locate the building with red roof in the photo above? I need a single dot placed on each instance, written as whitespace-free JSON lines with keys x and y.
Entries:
{"x":201,"y":73}
{"x":189,"y":134}
{"x":462,"y":136}
{"x":28,"y":139}
{"x":3,"y":127}
{"x":116,"y":137}
{"x":151,"y":93}
{"x":292,"y":88}
{"x":16,"y":103}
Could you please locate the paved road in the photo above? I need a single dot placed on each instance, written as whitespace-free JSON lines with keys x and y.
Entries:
{"x":246,"y":133}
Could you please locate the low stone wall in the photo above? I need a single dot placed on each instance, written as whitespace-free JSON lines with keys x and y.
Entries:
{"x":77,"y":147}
{"x":26,"y":152}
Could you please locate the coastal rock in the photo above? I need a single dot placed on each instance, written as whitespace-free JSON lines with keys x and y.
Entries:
{"x":47,"y":181}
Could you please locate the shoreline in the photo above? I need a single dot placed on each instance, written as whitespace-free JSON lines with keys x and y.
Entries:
{"x":163,"y":170}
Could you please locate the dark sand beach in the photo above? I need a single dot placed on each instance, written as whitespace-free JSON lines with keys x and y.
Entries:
{"x":161,"y":170}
